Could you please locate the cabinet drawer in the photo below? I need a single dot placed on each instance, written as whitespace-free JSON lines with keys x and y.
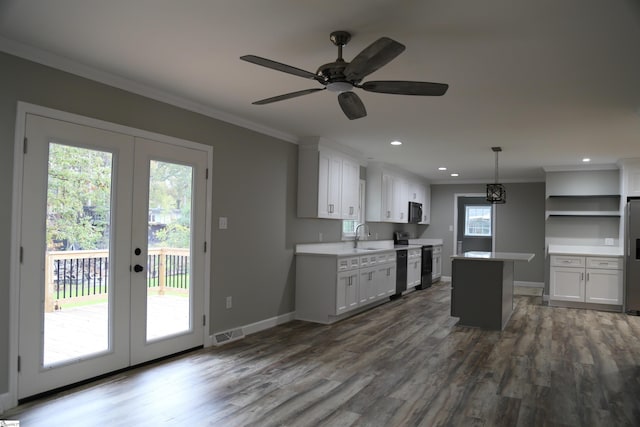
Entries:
{"x":386,"y":257}
{"x":348,"y":263}
{"x":606,"y":263}
{"x":414,"y":253}
{"x":437,"y":250}
{"x":567,"y":261}
{"x":368,"y":260}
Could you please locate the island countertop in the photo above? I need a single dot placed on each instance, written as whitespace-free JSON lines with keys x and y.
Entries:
{"x":495,"y":256}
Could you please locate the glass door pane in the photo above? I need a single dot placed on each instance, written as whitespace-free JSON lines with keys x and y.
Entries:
{"x":169,"y":249}
{"x":76,"y":285}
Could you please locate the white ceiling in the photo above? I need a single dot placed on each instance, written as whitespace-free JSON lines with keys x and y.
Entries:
{"x":549,"y":81}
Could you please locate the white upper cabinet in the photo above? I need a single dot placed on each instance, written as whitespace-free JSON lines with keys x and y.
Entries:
{"x":389,"y":193}
{"x":630,"y":177}
{"x":350,"y":189}
{"x":328,"y":183}
{"x":400,"y":201}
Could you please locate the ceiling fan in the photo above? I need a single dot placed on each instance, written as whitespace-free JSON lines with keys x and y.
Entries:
{"x":341,"y":76}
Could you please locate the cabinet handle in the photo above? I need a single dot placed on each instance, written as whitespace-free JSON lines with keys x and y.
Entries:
{"x":581,"y":276}
{"x":401,"y":215}
{"x":388,"y":214}
{"x":587,"y":277}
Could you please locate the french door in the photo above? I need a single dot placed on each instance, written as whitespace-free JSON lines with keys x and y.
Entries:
{"x":112,"y":252}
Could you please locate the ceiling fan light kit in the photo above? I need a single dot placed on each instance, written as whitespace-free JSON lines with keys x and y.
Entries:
{"x":341,"y":76}
{"x":496,"y":193}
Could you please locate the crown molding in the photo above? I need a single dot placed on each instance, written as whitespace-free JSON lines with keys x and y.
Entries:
{"x":64,"y":64}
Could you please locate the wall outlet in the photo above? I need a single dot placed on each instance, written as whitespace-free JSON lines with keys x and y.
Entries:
{"x":222,"y":223}
{"x":229,"y":302}
{"x":608,"y":241}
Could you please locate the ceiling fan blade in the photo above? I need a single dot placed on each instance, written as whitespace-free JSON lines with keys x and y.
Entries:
{"x":279,"y":66}
{"x":406,"y":87}
{"x":286,"y":96}
{"x":351,"y":105}
{"x":377,"y":54}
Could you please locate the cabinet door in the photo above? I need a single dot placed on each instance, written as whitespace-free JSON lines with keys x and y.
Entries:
{"x":367,"y":285}
{"x":329,"y":182}
{"x":350,"y":189}
{"x":387,"y":198}
{"x":400,"y":200}
{"x":426,"y":206}
{"x":413,"y":272}
{"x":604,"y":286}
{"x":416,"y":192}
{"x":436,"y":267}
{"x":567,"y":284}
{"x":347,"y":291}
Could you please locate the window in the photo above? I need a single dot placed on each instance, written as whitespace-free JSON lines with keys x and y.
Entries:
{"x":477,"y":221}
{"x":349,"y":225}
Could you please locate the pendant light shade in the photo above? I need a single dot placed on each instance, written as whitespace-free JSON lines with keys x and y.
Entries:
{"x":496,"y":193}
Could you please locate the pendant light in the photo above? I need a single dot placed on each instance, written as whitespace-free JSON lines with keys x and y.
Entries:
{"x":496,"y":193}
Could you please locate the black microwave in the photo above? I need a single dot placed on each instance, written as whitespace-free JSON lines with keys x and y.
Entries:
{"x":415,"y":212}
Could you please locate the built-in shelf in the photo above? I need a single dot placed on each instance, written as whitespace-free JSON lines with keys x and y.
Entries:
{"x":584,"y":213}
{"x":583,"y":206}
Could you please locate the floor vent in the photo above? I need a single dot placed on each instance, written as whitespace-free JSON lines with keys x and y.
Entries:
{"x":228,"y":336}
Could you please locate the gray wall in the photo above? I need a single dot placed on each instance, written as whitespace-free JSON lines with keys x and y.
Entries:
{"x":254,"y":185}
{"x":519,"y":224}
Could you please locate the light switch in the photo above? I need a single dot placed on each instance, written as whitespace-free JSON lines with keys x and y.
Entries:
{"x":222,"y":223}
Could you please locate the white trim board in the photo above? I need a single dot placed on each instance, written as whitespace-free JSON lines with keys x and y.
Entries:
{"x":259,"y":326}
{"x":54,"y":61}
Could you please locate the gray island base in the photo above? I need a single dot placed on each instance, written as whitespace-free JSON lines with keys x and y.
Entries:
{"x":482,"y":288}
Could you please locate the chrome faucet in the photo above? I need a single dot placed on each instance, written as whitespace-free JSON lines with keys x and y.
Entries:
{"x":355,"y":240}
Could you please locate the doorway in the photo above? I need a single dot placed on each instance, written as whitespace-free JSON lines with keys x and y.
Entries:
{"x":112,"y":239}
{"x":474,"y":224}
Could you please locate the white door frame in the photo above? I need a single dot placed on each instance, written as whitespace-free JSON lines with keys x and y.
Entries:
{"x":23,"y":108}
{"x":456,"y":196}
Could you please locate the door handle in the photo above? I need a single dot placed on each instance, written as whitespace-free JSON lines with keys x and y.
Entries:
{"x":138,"y":268}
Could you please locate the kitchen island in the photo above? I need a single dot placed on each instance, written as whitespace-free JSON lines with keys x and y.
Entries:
{"x":482,"y":287}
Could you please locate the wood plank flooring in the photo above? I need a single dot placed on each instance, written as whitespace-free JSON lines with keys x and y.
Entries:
{"x":405,"y":363}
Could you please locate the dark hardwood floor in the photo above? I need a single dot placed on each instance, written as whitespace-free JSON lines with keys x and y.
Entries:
{"x":405,"y":363}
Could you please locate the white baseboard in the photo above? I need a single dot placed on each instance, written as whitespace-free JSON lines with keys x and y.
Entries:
{"x":529,"y":284}
{"x":261,"y":325}
{"x":445,"y":278}
{"x":7,"y":401}
{"x":268,"y":323}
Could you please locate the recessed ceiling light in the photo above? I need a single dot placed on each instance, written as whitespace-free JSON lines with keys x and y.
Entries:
{"x":586,"y":160}
{"x":396,"y":143}
{"x":454,"y":174}
{"x":442,"y":168}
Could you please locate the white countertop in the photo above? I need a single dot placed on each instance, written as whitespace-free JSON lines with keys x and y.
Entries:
{"x":495,"y":256}
{"x":585,"y":250}
{"x":346,"y":248}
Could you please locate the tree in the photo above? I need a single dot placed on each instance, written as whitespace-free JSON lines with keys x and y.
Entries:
{"x":170,"y":195}
{"x":78,"y":197}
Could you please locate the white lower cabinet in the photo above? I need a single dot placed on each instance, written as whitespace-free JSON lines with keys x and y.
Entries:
{"x":328,"y":286}
{"x":414,"y":268}
{"x":368,"y":284}
{"x":386,"y":279}
{"x":347,"y":291}
{"x":596,"y":280}
{"x":436,"y":263}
